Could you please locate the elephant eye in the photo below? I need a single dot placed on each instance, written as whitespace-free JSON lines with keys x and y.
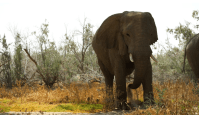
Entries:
{"x":128,"y":35}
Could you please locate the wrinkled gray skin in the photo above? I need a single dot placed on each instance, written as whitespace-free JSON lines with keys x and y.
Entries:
{"x":118,"y":36}
{"x":192,"y":54}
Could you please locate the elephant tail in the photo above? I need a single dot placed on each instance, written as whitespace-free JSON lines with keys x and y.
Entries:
{"x":129,"y":94}
{"x":183,"y":69}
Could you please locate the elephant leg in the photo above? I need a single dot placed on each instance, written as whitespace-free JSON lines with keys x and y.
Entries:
{"x":147,"y":86}
{"x":121,"y":88}
{"x":193,"y":57}
{"x":121,"y":91}
{"x":109,"y":84}
{"x":121,"y":94}
{"x":195,"y":69}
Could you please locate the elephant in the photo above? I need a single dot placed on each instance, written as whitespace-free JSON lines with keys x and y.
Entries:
{"x":122,"y":45}
{"x":192,"y":54}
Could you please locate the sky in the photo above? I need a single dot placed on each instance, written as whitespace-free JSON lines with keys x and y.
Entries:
{"x":28,"y":15}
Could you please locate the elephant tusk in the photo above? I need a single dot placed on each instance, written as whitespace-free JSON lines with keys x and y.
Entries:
{"x":154,"y":58}
{"x":131,"y":57}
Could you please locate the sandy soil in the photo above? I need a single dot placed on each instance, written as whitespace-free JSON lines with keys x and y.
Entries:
{"x":116,"y":112}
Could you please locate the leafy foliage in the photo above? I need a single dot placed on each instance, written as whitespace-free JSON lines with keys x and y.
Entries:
{"x":6,"y":63}
{"x":18,"y":58}
{"x":171,"y":60}
{"x":80,"y":51}
{"x":79,"y":57}
{"x":48,"y":63}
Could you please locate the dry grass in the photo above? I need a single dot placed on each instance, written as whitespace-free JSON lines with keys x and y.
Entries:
{"x":171,"y":98}
{"x":28,"y":98}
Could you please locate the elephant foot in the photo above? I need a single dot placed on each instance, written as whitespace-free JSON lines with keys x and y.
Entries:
{"x":149,"y":99}
{"x":109,"y":103}
{"x":146,"y":104}
{"x":123,"y":106}
{"x":143,"y":106}
{"x":149,"y":102}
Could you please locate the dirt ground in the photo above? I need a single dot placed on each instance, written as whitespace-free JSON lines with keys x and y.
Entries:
{"x":116,"y":112}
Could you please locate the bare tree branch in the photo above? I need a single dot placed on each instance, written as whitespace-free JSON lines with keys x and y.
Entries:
{"x":30,"y":56}
{"x":38,"y":71}
{"x":87,"y":47}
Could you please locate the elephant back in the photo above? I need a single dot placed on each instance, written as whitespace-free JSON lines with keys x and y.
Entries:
{"x":193,"y":43}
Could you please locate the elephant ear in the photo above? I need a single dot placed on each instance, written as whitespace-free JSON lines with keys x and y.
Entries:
{"x":152,"y":29}
{"x":107,"y":34}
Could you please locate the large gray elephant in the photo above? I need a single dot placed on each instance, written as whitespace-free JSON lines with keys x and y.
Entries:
{"x":122,"y":44}
{"x":192,"y":54}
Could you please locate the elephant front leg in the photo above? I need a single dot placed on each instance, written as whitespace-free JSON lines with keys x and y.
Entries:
{"x":147,"y":87}
{"x":109,"y":99}
{"x":121,"y":94}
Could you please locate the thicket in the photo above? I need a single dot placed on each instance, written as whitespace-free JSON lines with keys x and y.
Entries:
{"x":5,"y":64}
{"x":47,"y":62}
{"x":171,"y":58}
{"x":50,"y":63}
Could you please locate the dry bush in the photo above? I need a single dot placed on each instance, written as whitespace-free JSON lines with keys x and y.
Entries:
{"x":73,"y":93}
{"x":170,"y":97}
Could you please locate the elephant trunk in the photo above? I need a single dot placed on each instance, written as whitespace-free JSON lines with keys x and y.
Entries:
{"x":141,"y":60}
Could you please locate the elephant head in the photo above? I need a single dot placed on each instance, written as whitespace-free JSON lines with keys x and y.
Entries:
{"x":131,"y":33}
